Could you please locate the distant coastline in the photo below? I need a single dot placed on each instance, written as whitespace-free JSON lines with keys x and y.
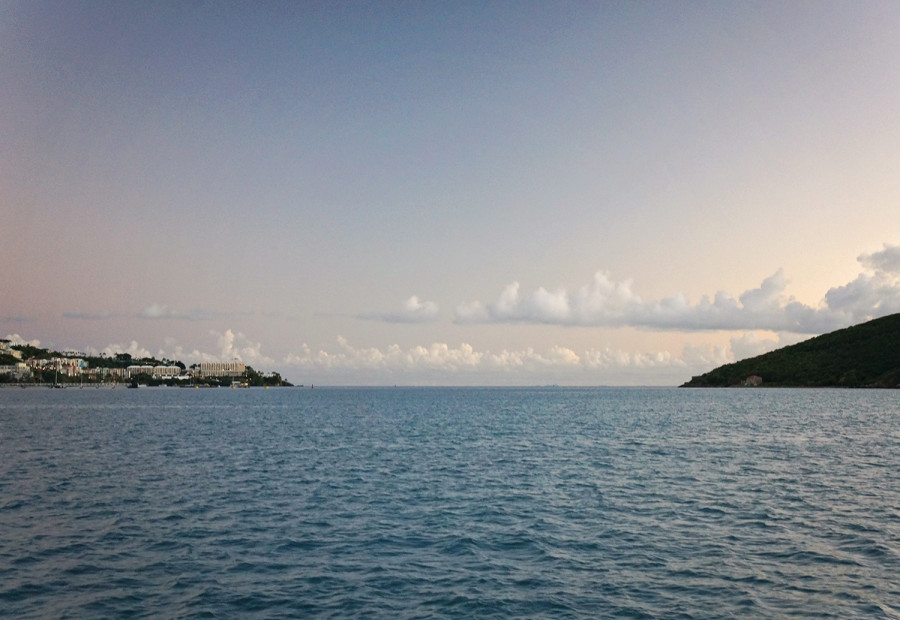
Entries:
{"x":863,"y":356}
{"x":23,"y":365}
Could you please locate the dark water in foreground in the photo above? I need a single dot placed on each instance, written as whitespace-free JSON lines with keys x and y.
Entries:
{"x":417,"y":503}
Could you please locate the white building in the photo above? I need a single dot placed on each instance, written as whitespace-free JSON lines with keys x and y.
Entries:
{"x":156,"y":372}
{"x":222,"y":369}
{"x":18,"y":371}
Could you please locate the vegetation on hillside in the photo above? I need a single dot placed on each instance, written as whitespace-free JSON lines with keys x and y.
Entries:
{"x":866,"y":355}
{"x":28,"y":351}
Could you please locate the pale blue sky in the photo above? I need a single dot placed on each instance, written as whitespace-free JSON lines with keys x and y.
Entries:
{"x":526,"y":192}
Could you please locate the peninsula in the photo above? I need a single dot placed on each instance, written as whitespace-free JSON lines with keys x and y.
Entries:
{"x":863,"y":356}
{"x":25,"y":364}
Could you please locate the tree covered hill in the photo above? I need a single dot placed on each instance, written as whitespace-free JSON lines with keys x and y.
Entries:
{"x":865,"y":355}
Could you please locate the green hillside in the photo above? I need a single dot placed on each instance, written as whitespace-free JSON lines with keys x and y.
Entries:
{"x":866,"y":355}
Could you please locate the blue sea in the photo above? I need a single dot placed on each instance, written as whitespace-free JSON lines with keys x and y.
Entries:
{"x":449,"y":503}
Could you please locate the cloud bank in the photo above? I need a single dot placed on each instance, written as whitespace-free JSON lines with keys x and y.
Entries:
{"x":229,"y":345}
{"x":442,"y":363}
{"x":464,"y":358}
{"x":607,"y":303}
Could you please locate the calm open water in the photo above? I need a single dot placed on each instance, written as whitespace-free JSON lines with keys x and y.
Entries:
{"x":431,"y":503}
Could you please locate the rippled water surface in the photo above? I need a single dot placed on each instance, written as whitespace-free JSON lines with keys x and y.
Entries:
{"x":418,"y":503}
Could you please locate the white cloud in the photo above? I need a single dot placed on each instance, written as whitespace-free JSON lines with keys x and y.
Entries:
{"x":442,"y":364}
{"x":465,"y":359}
{"x":230,"y":345}
{"x":867,"y":296}
{"x":602,"y":302}
{"x":413,"y":310}
{"x":236,"y":346}
{"x":133,"y":349}
{"x":767,"y":297}
{"x":16,"y":339}
{"x":463,"y":364}
{"x":605,"y":302}
{"x":392,"y":357}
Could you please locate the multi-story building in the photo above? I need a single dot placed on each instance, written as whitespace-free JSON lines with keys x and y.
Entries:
{"x":114,"y":373}
{"x":222,"y":369}
{"x":68,"y":366}
{"x":157,"y":372}
{"x":6,"y":349}
{"x":19,"y":371}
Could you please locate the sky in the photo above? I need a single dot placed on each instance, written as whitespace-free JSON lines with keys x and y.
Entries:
{"x":448,"y":193}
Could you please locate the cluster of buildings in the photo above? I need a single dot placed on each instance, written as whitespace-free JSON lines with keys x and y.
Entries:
{"x":73,"y":364}
{"x":18,"y":370}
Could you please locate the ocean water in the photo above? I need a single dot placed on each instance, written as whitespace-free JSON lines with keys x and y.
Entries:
{"x":449,"y":503}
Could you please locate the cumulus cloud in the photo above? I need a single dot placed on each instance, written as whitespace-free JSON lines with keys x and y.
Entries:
{"x":16,"y":339}
{"x":236,"y":346}
{"x":229,"y":345}
{"x":392,"y":357}
{"x":867,"y":296}
{"x":133,"y":349}
{"x":443,"y":364}
{"x":413,"y":310}
{"x":162,"y":311}
{"x":606,"y":302}
{"x":448,"y":364}
{"x":464,"y":358}
{"x":603,"y":301}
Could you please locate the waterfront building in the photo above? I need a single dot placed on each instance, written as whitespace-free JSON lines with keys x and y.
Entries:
{"x":222,"y":369}
{"x":156,"y":372}
{"x":19,"y":371}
